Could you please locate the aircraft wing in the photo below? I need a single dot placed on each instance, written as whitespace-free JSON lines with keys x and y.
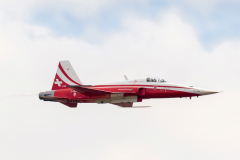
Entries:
{"x":128,"y":104}
{"x":83,"y":89}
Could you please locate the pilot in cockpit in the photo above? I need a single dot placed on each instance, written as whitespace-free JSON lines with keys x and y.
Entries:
{"x":162,"y":80}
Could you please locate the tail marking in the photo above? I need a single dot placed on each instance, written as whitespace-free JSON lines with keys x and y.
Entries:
{"x":65,"y":76}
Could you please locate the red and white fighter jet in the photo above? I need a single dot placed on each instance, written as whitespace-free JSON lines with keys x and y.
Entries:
{"x":69,"y":90}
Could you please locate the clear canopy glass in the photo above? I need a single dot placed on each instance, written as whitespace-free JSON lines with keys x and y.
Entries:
{"x":155,"y":80}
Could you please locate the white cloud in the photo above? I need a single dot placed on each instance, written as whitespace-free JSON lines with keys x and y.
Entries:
{"x":23,"y":9}
{"x":204,"y":5}
{"x":172,"y":129}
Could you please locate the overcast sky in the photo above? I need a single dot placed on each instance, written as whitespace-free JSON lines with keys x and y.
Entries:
{"x":186,"y":42}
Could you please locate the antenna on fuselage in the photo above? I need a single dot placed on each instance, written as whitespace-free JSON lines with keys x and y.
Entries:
{"x":125,"y":77}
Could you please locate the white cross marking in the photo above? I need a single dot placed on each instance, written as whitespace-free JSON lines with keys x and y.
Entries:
{"x":58,"y":83}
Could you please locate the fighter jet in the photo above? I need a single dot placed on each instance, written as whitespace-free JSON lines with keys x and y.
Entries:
{"x":69,"y":90}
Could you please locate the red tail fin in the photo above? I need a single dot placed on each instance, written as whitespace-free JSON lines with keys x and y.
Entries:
{"x":65,"y":76}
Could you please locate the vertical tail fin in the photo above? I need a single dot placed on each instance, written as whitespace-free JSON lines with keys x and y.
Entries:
{"x":65,"y":76}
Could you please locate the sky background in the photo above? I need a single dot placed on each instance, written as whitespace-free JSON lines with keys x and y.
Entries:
{"x":195,"y":43}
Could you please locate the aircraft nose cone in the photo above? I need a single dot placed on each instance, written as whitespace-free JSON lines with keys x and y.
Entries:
{"x":206,"y":92}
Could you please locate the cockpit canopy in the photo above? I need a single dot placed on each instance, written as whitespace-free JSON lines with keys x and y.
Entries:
{"x":155,"y":80}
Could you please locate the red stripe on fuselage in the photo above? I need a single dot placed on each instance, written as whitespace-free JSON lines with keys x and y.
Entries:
{"x":60,"y":67}
{"x":136,"y":85}
{"x":130,"y":89}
